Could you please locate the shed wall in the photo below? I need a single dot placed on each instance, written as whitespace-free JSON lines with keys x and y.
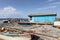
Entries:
{"x":42,"y":19}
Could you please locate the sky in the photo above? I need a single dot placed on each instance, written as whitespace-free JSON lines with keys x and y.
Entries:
{"x":22,"y":8}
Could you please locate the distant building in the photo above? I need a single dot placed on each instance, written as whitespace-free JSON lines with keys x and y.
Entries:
{"x":57,"y":19}
{"x":57,"y":23}
{"x":43,"y":17}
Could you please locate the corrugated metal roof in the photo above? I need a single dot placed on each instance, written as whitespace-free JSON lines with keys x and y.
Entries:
{"x":46,"y":13}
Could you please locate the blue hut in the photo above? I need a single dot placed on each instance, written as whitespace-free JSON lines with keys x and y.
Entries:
{"x":43,"y":17}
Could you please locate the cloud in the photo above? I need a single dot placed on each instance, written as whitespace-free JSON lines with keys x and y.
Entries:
{"x":9,"y":11}
{"x":50,"y":0}
{"x":49,"y":7}
{"x":55,"y":3}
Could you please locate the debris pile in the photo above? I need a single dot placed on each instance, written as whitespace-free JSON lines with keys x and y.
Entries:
{"x":45,"y":32}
